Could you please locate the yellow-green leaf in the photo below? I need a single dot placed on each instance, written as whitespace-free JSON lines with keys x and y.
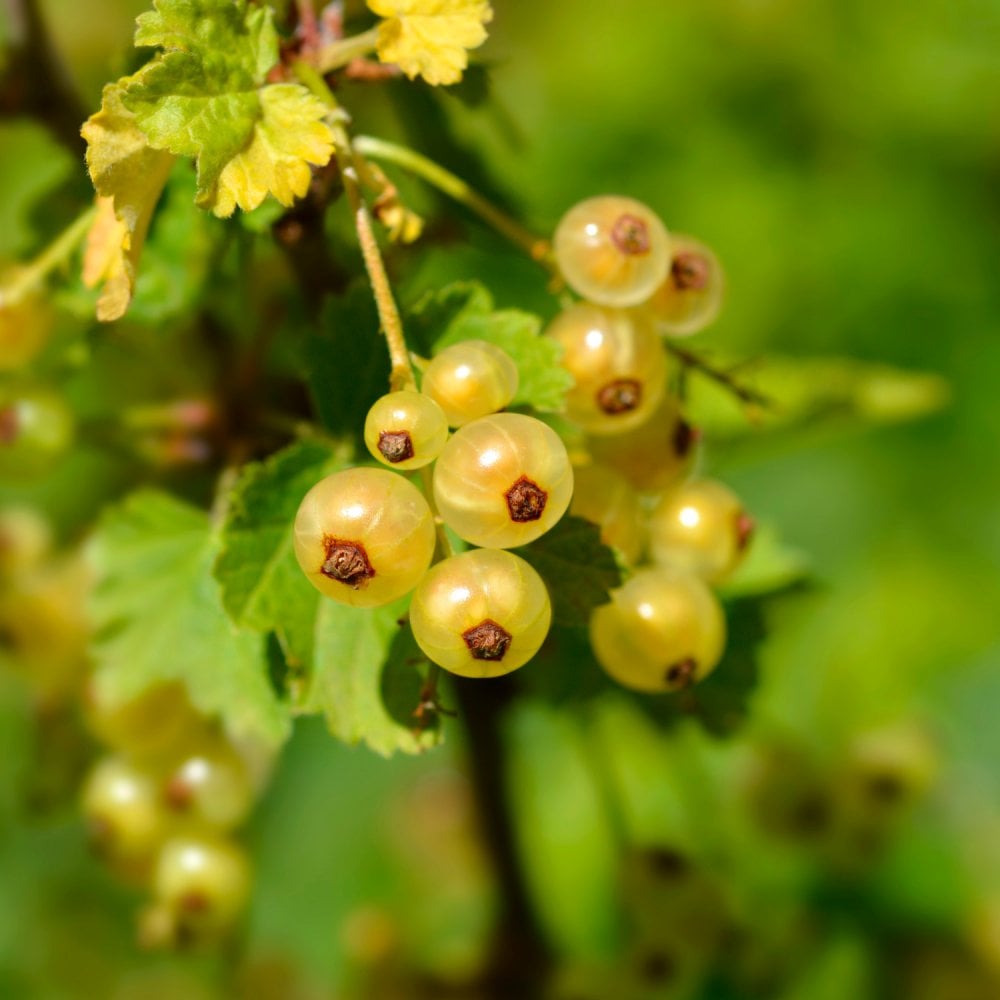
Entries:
{"x":129,"y":176}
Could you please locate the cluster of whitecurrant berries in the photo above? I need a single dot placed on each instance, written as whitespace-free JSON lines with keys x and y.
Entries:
{"x":162,"y":806}
{"x":500,"y":480}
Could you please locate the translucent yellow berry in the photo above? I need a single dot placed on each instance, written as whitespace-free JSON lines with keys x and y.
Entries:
{"x":481,"y":614}
{"x":689,"y":298}
{"x":503,"y":480}
{"x":612,"y":250}
{"x":618,"y":365}
{"x":661,"y":631}
{"x":470,"y":380}
{"x":604,"y":498}
{"x":364,"y":536}
{"x":405,"y":430}
{"x":701,"y":527}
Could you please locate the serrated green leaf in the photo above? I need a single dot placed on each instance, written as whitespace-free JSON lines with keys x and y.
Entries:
{"x":464,"y":311}
{"x":206,"y":97}
{"x":158,"y":616}
{"x":263,"y":587}
{"x":577,"y":567}
{"x":365,"y":676}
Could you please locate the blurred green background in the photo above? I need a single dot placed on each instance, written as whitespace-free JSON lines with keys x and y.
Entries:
{"x":843,"y":159}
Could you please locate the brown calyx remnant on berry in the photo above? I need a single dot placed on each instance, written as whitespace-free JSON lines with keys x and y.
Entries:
{"x":620,"y":396}
{"x":689,"y":271}
{"x":745,"y":527}
{"x":684,"y":438}
{"x":194,"y":902}
{"x":666,"y":862}
{"x":396,"y":446}
{"x":885,"y":787}
{"x":681,"y":674}
{"x":657,"y":967}
{"x":347,"y":562}
{"x":630,"y":235}
{"x":178,"y":794}
{"x":487,"y":640}
{"x":526,"y":500}
{"x":9,"y":424}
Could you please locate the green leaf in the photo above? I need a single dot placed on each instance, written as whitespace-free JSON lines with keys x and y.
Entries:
{"x":464,"y":311}
{"x":577,"y":567}
{"x":206,"y":97}
{"x":813,"y":391}
{"x":769,"y":567}
{"x":347,"y":367}
{"x":158,"y":616}
{"x":263,"y":587}
{"x":365,"y":678}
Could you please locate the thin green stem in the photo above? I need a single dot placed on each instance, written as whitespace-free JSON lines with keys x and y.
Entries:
{"x":693,"y":362}
{"x":28,"y":278}
{"x":401,"y":374}
{"x":342,"y":52}
{"x":453,"y":186}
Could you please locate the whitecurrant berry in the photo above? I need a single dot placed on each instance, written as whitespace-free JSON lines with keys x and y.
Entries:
{"x":481,"y":614}
{"x":405,"y":430}
{"x":661,"y":631}
{"x":36,"y":429}
{"x":123,"y":811}
{"x":210,"y":787}
{"x":203,"y":881}
{"x":618,"y":365}
{"x":612,"y":250}
{"x":364,"y":536}
{"x":689,"y":298}
{"x":503,"y":481}
{"x":470,"y":380}
{"x":654,"y":455}
{"x":604,"y":498}
{"x":701,"y":527}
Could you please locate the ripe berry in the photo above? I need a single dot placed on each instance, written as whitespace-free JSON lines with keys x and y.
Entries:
{"x":481,"y":614}
{"x":210,"y":787}
{"x":617,"y":362}
{"x":700,"y":527}
{"x":690,"y":296}
{"x":25,"y":538}
{"x":36,"y":427}
{"x":405,"y":430}
{"x":612,"y":250}
{"x":654,"y":455}
{"x":503,"y":480}
{"x":470,"y":380}
{"x":122,"y":809}
{"x":364,"y":536}
{"x":662,"y":631}
{"x":204,"y":881}
{"x":603,"y":497}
